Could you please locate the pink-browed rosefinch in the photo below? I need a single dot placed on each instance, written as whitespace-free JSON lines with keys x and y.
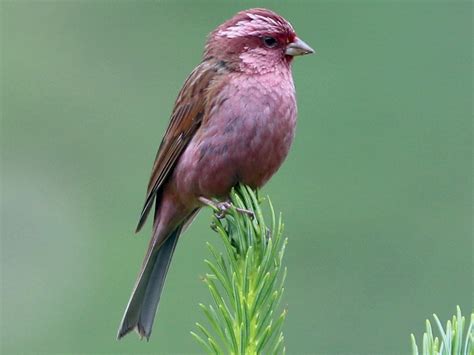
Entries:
{"x":233,"y":121}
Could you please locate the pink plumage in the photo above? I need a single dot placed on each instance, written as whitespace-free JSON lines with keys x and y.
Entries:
{"x":233,"y":121}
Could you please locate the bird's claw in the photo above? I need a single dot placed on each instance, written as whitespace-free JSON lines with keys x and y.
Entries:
{"x":249,"y":213}
{"x":224,"y":207}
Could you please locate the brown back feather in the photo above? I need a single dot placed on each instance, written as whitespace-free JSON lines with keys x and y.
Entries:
{"x":188,"y":113}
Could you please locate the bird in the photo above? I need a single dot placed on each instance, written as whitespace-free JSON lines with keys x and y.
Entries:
{"x":233,"y":122}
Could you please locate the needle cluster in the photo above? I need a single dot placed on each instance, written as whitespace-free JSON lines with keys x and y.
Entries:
{"x":451,"y":342}
{"x":245,"y":281}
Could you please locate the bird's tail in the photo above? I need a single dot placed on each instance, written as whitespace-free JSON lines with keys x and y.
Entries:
{"x":141,"y":308}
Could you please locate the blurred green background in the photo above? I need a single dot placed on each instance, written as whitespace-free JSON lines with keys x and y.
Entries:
{"x":376,"y":193}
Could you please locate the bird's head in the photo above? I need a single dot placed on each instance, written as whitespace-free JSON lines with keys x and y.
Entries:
{"x":255,"y":41}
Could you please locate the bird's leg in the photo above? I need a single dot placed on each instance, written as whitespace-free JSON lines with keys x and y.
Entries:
{"x":223,"y":207}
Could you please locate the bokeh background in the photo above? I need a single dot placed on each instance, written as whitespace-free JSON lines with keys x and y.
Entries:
{"x":376,"y":193}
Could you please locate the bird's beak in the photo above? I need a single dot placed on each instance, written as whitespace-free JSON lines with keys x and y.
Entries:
{"x":298,"y":47}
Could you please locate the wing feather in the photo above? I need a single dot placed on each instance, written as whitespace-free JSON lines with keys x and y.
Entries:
{"x":189,"y":111}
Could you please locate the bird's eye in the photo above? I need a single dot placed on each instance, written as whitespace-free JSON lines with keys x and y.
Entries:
{"x":270,"y":42}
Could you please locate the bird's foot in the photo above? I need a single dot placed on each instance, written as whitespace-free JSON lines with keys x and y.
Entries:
{"x":224,"y":207}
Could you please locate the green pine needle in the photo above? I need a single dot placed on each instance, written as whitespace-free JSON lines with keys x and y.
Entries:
{"x":245,"y":281}
{"x":451,"y":342}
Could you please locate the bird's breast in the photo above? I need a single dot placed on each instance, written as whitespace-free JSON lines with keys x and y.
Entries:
{"x":246,"y":137}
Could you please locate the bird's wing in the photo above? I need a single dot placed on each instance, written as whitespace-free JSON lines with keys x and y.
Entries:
{"x":186,"y":118}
